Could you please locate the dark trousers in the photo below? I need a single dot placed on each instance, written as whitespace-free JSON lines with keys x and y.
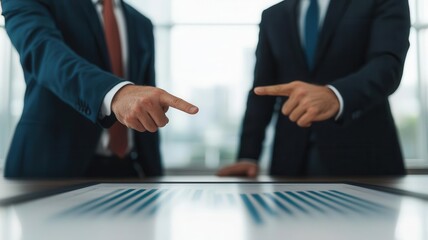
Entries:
{"x":314,"y":166}
{"x":114,"y":167}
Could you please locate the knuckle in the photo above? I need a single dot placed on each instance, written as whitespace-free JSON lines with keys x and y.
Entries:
{"x":300,"y":92}
{"x":307,"y":103}
{"x":146,"y":102}
{"x":156,"y":91}
{"x":297,"y":83}
{"x":313,"y":111}
{"x":161,"y":91}
{"x":127,"y":120}
{"x":177,"y":101}
{"x":133,"y":114}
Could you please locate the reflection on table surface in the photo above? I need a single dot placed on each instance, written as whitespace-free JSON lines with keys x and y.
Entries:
{"x":218,"y":211}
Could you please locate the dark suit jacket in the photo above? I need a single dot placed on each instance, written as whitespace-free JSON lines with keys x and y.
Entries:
{"x":361,"y":52}
{"x":66,"y":66}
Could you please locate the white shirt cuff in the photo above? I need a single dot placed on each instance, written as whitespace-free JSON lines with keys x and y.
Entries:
{"x":341,"y":103}
{"x":106,"y":107}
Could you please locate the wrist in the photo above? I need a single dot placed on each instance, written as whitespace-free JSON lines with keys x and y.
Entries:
{"x":123,"y":91}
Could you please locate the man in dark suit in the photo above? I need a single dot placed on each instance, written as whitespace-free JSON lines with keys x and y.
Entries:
{"x":333,"y":63}
{"x":87,"y":63}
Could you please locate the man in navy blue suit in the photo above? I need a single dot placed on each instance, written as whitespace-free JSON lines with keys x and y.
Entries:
{"x":333,"y":64}
{"x":88,"y":64}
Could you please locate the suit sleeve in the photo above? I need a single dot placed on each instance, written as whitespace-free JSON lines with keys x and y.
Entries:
{"x":259,"y":109}
{"x":50,"y":62}
{"x":386,"y":53}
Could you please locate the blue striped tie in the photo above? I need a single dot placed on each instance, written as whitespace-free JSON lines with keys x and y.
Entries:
{"x":311,"y":32}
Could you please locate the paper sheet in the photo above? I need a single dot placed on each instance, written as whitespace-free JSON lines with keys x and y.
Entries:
{"x":219,"y":211}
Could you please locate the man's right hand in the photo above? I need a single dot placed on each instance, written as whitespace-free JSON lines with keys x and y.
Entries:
{"x":143,"y":108}
{"x":240,"y":169}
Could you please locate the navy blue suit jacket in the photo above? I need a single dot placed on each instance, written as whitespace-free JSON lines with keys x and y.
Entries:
{"x":361,"y":52}
{"x":66,"y":66}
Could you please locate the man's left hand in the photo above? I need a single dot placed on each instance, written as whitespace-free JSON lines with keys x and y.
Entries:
{"x":307,"y":103}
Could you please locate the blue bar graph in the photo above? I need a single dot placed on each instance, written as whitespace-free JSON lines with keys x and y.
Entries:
{"x":148,"y":202}
{"x":252,"y":209}
{"x":306,"y":202}
{"x":290,"y":201}
{"x":367,"y":203}
{"x":279,"y":204}
{"x":259,"y":199}
{"x":141,"y":198}
{"x":117,"y":203}
{"x":260,"y":207}
{"x":347,"y":206}
{"x":88,"y":203}
{"x":161,"y":203}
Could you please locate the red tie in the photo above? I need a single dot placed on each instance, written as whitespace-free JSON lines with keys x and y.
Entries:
{"x":118,"y":143}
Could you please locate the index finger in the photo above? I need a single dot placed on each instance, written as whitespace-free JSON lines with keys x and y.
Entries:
{"x":274,"y":90}
{"x":178,"y":103}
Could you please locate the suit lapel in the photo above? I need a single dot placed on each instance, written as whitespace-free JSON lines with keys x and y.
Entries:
{"x":334,"y":14}
{"x":94,"y":23}
{"x":292,"y":10}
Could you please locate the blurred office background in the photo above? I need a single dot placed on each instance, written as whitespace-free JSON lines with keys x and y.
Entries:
{"x":205,"y":53}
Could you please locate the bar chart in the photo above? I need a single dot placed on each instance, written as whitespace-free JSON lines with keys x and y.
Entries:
{"x":218,"y":211}
{"x":147,"y":202}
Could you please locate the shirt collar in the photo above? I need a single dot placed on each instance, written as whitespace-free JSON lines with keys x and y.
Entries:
{"x":116,"y":2}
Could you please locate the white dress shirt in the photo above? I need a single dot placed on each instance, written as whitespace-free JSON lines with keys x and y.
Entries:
{"x":102,"y":148}
{"x":323,"y":7}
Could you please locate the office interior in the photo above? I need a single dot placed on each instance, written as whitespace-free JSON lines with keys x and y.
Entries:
{"x":191,"y":49}
{"x":205,"y":53}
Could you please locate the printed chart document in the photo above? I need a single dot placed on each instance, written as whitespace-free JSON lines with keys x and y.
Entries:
{"x":218,"y":211}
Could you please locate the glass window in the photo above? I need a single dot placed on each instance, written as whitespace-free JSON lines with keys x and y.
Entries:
{"x":209,"y":60}
{"x":409,"y":103}
{"x":219,"y":11}
{"x":406,"y":107}
{"x":205,"y":54}
{"x":159,"y":11}
{"x":4,"y":94}
{"x":211,"y":66}
{"x":4,"y":91}
{"x":12,"y":89}
{"x":422,"y":6}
